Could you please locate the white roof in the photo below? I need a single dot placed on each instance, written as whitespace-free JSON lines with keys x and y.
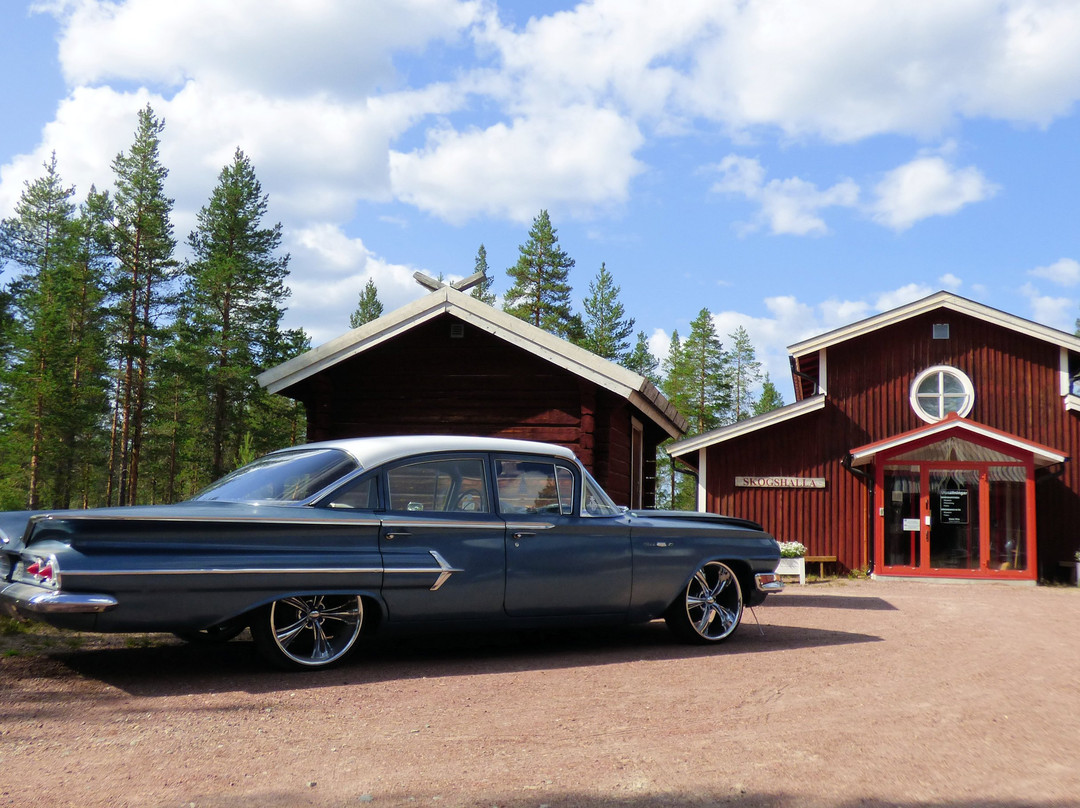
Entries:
{"x":940,"y":300}
{"x":371,"y":452}
{"x":638,"y":390}
{"x":725,"y":433}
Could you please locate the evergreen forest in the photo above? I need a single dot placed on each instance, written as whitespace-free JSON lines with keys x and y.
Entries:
{"x":127,"y":375}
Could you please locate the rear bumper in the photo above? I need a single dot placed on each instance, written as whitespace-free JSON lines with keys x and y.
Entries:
{"x":37,"y":600}
{"x":768,"y":582}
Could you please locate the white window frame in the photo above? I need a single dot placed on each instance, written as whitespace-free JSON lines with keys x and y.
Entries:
{"x":939,"y":371}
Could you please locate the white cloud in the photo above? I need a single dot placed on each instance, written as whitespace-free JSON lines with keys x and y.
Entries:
{"x":789,"y":206}
{"x":1057,"y":312}
{"x":950,"y":282}
{"x":328,"y":270}
{"x":834,"y":69}
{"x":575,"y":159}
{"x":282,"y":46}
{"x":1063,"y":272}
{"x":927,"y":186}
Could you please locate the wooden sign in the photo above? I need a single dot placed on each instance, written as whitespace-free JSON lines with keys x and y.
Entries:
{"x":779,"y":482}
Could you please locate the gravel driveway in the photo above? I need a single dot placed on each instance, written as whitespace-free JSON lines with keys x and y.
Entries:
{"x":850,"y":693}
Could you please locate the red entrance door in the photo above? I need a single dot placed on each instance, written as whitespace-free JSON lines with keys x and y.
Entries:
{"x":956,"y":518}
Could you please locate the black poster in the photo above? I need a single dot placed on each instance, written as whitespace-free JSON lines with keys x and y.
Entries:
{"x":953,"y":507}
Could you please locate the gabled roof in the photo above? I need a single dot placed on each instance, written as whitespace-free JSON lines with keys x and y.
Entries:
{"x":638,"y":390}
{"x":940,"y":300}
{"x":953,"y":423}
{"x":725,"y":433}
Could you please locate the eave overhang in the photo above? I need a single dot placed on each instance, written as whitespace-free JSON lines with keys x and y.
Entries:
{"x":953,"y":424}
{"x":750,"y":425}
{"x":939,"y":300}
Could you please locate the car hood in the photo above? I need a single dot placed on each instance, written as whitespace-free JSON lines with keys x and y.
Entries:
{"x":695,"y":516}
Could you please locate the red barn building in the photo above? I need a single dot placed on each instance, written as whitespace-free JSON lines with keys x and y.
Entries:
{"x":450,"y":364}
{"x":930,"y":441}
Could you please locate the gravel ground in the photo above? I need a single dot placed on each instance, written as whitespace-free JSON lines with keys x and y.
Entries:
{"x":846,"y":693}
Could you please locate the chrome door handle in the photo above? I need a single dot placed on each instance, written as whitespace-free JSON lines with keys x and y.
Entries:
{"x":392,"y":536}
{"x":523,"y":535}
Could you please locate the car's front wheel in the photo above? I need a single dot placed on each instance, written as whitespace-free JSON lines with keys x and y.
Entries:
{"x":710,"y":608}
{"x":306,"y":632}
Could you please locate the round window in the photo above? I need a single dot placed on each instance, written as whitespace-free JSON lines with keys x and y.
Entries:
{"x":940,"y":390}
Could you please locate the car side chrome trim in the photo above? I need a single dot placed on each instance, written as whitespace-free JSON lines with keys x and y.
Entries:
{"x":237,"y":571}
{"x":529,"y":526}
{"x":38,"y":600}
{"x":448,"y":524}
{"x":443,"y":569}
{"x":262,"y":520}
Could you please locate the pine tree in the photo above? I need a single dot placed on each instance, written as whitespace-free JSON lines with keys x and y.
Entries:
{"x":641,"y":360}
{"x":53,"y":385}
{"x":745,"y":373}
{"x":482,"y":290}
{"x":540,"y":293}
{"x":40,"y":239}
{"x":770,"y":398}
{"x":368,"y":308}
{"x":607,"y":329}
{"x":83,"y":438}
{"x":143,"y":294}
{"x":705,"y":389}
{"x":234,"y":302}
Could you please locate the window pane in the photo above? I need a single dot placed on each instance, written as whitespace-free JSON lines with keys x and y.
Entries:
{"x":929,"y":385}
{"x":528,"y":486}
{"x":363,"y":495}
{"x":951,"y":384}
{"x":439,"y":486}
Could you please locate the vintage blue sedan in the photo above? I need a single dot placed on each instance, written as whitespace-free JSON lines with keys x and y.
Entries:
{"x":314,"y":546}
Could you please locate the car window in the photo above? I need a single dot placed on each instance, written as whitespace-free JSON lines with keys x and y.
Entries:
{"x":440,"y":486}
{"x":291,"y":476}
{"x":597,"y":502}
{"x":534,"y":486}
{"x":362,"y":494}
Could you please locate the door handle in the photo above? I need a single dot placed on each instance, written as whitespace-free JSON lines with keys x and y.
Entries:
{"x":524,"y":535}
{"x":391,"y":536}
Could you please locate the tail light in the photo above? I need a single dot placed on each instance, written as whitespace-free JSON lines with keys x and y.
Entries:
{"x":43,"y":571}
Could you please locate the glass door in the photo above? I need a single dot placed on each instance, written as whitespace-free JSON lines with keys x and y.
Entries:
{"x":954,"y":519}
{"x":903,"y":518}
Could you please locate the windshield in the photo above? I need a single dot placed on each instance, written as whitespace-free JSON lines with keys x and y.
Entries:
{"x":282,"y":477}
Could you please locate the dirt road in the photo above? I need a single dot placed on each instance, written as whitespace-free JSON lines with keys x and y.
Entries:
{"x":853,"y":693}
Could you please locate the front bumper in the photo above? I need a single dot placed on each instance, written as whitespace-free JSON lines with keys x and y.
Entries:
{"x":38,"y":600}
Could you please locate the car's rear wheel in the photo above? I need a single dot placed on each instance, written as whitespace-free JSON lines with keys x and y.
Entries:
{"x":710,"y":608}
{"x":305,"y":632}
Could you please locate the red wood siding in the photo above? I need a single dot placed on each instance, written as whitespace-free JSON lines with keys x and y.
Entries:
{"x":1017,"y":390}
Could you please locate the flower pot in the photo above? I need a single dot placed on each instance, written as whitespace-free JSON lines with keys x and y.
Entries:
{"x":792,"y":566}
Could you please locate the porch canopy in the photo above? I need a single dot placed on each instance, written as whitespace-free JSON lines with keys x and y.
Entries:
{"x":957,"y":438}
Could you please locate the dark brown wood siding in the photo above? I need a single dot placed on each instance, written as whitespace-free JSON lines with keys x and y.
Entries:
{"x":426,"y":381}
{"x":868,"y":381}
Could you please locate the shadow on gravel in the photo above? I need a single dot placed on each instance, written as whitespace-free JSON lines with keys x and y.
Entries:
{"x":556,"y":797}
{"x":829,"y":602}
{"x":166,"y":670}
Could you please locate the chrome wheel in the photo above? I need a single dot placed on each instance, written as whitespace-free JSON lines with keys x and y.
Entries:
{"x":309,"y":631}
{"x":710,"y":608}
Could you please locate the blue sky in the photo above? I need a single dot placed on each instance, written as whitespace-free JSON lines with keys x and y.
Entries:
{"x":792,"y":166}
